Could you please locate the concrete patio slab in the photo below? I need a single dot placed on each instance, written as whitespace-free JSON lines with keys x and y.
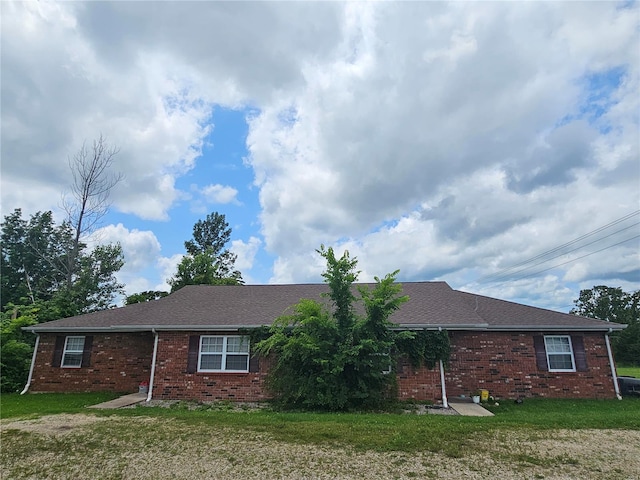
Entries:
{"x":470,"y":409}
{"x":123,"y":401}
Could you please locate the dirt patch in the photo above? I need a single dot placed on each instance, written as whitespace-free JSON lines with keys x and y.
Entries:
{"x":53,"y":424}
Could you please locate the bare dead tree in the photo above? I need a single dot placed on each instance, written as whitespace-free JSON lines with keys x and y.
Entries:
{"x":88,"y":200}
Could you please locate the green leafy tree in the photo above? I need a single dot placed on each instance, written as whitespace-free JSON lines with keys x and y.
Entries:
{"x":608,"y":303}
{"x":612,"y":304}
{"x":336,"y":360}
{"x":145,"y":297}
{"x":16,"y":345}
{"x":35,"y":262}
{"x":95,"y":286}
{"x":212,"y":234}
{"x":207,"y":261}
{"x":33,"y":257}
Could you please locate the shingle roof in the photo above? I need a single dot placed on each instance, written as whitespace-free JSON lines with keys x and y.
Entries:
{"x":206,"y":307}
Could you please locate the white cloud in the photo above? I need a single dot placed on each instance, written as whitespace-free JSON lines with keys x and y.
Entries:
{"x":140,"y":250}
{"x":168,"y":267}
{"x":220,"y":194}
{"x":246,"y":252}
{"x":449,"y":140}
{"x":57,"y":92}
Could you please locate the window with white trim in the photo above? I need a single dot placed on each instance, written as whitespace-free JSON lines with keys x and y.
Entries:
{"x":72,"y":353}
{"x":223,"y":354}
{"x":559,"y":353}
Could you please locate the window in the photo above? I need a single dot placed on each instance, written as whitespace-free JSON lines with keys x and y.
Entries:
{"x":559,"y":353}
{"x":223,"y":354}
{"x":385,"y":360}
{"x":73,"y":351}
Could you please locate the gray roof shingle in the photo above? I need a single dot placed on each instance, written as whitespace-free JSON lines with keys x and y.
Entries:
{"x":430,"y":305}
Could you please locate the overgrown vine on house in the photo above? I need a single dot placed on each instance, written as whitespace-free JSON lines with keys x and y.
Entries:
{"x":425,"y":347}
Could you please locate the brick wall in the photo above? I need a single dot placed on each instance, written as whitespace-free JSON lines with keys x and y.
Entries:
{"x":173,"y":382}
{"x":119,"y":362}
{"x":418,"y":383}
{"x":503,"y":363}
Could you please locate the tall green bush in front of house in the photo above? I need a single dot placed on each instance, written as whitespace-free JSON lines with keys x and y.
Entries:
{"x":334,"y":359}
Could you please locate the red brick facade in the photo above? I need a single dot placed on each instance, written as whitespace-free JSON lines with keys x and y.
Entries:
{"x":119,"y":362}
{"x":503,"y":363}
{"x":172,"y":382}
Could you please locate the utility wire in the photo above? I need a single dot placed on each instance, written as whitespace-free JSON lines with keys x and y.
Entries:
{"x":569,"y":261}
{"x":502,"y":273}
{"x":563,"y":252}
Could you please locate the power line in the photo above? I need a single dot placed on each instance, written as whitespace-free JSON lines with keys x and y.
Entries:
{"x":561,"y":253}
{"x":504,"y":272}
{"x":569,"y":261}
{"x":553,"y":250}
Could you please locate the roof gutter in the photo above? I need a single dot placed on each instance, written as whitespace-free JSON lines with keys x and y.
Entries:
{"x":33,"y":362}
{"x":433,"y":326}
{"x":475,"y":327}
{"x":558,"y":328}
{"x":142,"y":328}
{"x":511,"y":328}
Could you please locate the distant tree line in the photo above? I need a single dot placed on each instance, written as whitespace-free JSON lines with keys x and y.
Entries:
{"x":612,"y":304}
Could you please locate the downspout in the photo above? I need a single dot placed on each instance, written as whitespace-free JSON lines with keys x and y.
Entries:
{"x":616,"y":387}
{"x":153,"y":365}
{"x":445,"y":403}
{"x":33,"y":362}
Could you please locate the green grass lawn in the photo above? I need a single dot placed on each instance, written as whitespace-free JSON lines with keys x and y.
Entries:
{"x":38,"y":404}
{"x":628,"y":371}
{"x":529,"y":440}
{"x":363,"y":431}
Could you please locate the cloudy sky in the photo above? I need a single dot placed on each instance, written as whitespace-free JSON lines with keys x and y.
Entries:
{"x":491,"y":145}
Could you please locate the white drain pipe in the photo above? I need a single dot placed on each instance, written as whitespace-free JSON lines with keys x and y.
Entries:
{"x":445,"y":403}
{"x":33,"y":362}
{"x":153,"y":365}
{"x":616,"y":387}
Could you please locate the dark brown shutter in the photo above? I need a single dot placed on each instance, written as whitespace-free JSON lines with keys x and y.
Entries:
{"x":254,"y":363}
{"x":541,"y":354}
{"x":86,"y":351}
{"x":579,"y":353}
{"x":57,"y":351}
{"x":192,"y":358}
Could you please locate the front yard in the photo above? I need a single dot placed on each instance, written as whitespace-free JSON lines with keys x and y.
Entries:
{"x":538,"y":439}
